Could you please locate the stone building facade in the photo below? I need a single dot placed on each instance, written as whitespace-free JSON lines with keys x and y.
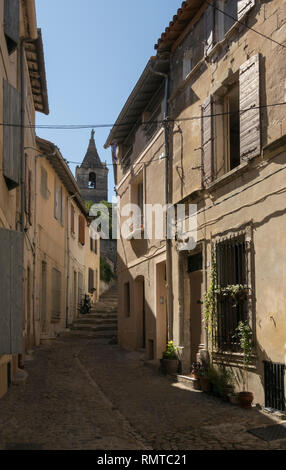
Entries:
{"x":226,"y":148}
{"x":22,"y":75}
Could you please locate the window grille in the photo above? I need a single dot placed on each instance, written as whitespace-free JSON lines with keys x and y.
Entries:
{"x":274,"y":385}
{"x":231,"y":259}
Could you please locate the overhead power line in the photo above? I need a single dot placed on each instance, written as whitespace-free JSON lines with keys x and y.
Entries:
{"x":160,"y":121}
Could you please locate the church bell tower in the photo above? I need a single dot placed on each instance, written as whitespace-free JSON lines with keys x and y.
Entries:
{"x":92,"y":175}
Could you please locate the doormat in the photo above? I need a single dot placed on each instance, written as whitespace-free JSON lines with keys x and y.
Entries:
{"x":270,"y":433}
{"x":23,"y":446}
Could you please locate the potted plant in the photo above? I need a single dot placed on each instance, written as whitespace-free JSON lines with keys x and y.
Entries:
{"x":245,"y":337}
{"x":204,"y":379}
{"x":195,"y":370}
{"x":170,"y":359}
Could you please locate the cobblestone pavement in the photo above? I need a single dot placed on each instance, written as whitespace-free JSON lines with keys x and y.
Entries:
{"x":81,"y":394}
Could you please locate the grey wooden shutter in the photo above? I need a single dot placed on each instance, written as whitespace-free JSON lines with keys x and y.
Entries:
{"x":243,"y":6}
{"x":207,"y":140}
{"x":11,"y":291}
{"x":11,"y":135}
{"x":12,"y":23}
{"x":249,"y":98}
{"x":209,"y":29}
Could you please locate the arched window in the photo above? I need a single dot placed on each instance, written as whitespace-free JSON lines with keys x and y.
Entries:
{"x":92,"y":180}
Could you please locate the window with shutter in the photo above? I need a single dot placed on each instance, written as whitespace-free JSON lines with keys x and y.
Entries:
{"x":62,"y":212}
{"x":243,"y":7}
{"x":11,"y":135}
{"x":12,"y":24}
{"x":11,"y":291}
{"x":90,"y":281}
{"x":225,"y":17}
{"x":209,"y":29}
{"x":44,"y":183}
{"x":250,"y":140}
{"x":72,"y":220}
{"x":207,"y":140}
{"x":81,"y":229}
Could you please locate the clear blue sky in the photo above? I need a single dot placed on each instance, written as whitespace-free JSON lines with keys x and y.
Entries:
{"x":95,"y":51}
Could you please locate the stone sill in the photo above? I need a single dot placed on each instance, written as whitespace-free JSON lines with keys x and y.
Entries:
{"x":227,"y":177}
{"x":219,"y":45}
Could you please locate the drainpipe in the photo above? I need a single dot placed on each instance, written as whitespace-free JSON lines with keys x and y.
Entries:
{"x":68,"y":258}
{"x":167,"y":184}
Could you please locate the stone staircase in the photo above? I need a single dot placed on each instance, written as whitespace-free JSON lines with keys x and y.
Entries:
{"x":101,"y":322}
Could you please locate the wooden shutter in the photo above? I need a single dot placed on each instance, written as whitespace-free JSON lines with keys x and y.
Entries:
{"x":30,"y":197}
{"x":72,"y":219}
{"x":12,"y":23}
{"x":249,"y":98}
{"x":209,"y":29}
{"x":207,"y":140}
{"x":243,"y":6}
{"x":44,"y":183}
{"x":11,"y":135}
{"x":11,"y":291}
{"x":62,"y":196}
{"x":81,"y":229}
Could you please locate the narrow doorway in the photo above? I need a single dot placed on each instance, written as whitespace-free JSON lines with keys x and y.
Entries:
{"x":141,"y":313}
{"x":196,"y":281}
{"x":44,"y":297}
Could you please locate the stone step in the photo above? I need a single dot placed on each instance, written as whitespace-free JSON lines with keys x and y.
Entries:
{"x":94,"y":327}
{"x":94,"y":334}
{"x":99,"y":315}
{"x":96,"y":321}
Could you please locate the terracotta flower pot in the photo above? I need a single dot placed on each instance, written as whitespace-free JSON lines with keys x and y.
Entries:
{"x":170,"y":366}
{"x":245,"y":399}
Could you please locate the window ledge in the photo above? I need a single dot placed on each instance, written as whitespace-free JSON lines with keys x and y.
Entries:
{"x":219,"y":45}
{"x":230,"y":175}
{"x":233,"y":358}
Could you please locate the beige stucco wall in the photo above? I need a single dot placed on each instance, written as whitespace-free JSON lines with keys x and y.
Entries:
{"x":137,"y":259}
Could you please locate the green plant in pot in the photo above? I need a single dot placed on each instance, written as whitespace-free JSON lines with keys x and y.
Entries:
{"x":205,"y":382}
{"x":221,"y":380}
{"x":170,"y":359}
{"x":245,"y":336}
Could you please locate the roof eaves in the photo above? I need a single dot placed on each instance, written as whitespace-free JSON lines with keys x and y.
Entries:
{"x":144,"y":89}
{"x":185,"y":14}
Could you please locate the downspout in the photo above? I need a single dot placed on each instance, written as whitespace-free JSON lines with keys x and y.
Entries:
{"x":167,"y":184}
{"x":68,"y":258}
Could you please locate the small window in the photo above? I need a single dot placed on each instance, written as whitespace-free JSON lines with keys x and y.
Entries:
{"x":12,"y":24}
{"x":127,"y":307}
{"x":44,"y":183}
{"x":187,"y":63}
{"x":225,"y":17}
{"x":92,"y":180}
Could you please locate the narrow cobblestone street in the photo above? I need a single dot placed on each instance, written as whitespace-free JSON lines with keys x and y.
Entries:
{"x":84,"y":394}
